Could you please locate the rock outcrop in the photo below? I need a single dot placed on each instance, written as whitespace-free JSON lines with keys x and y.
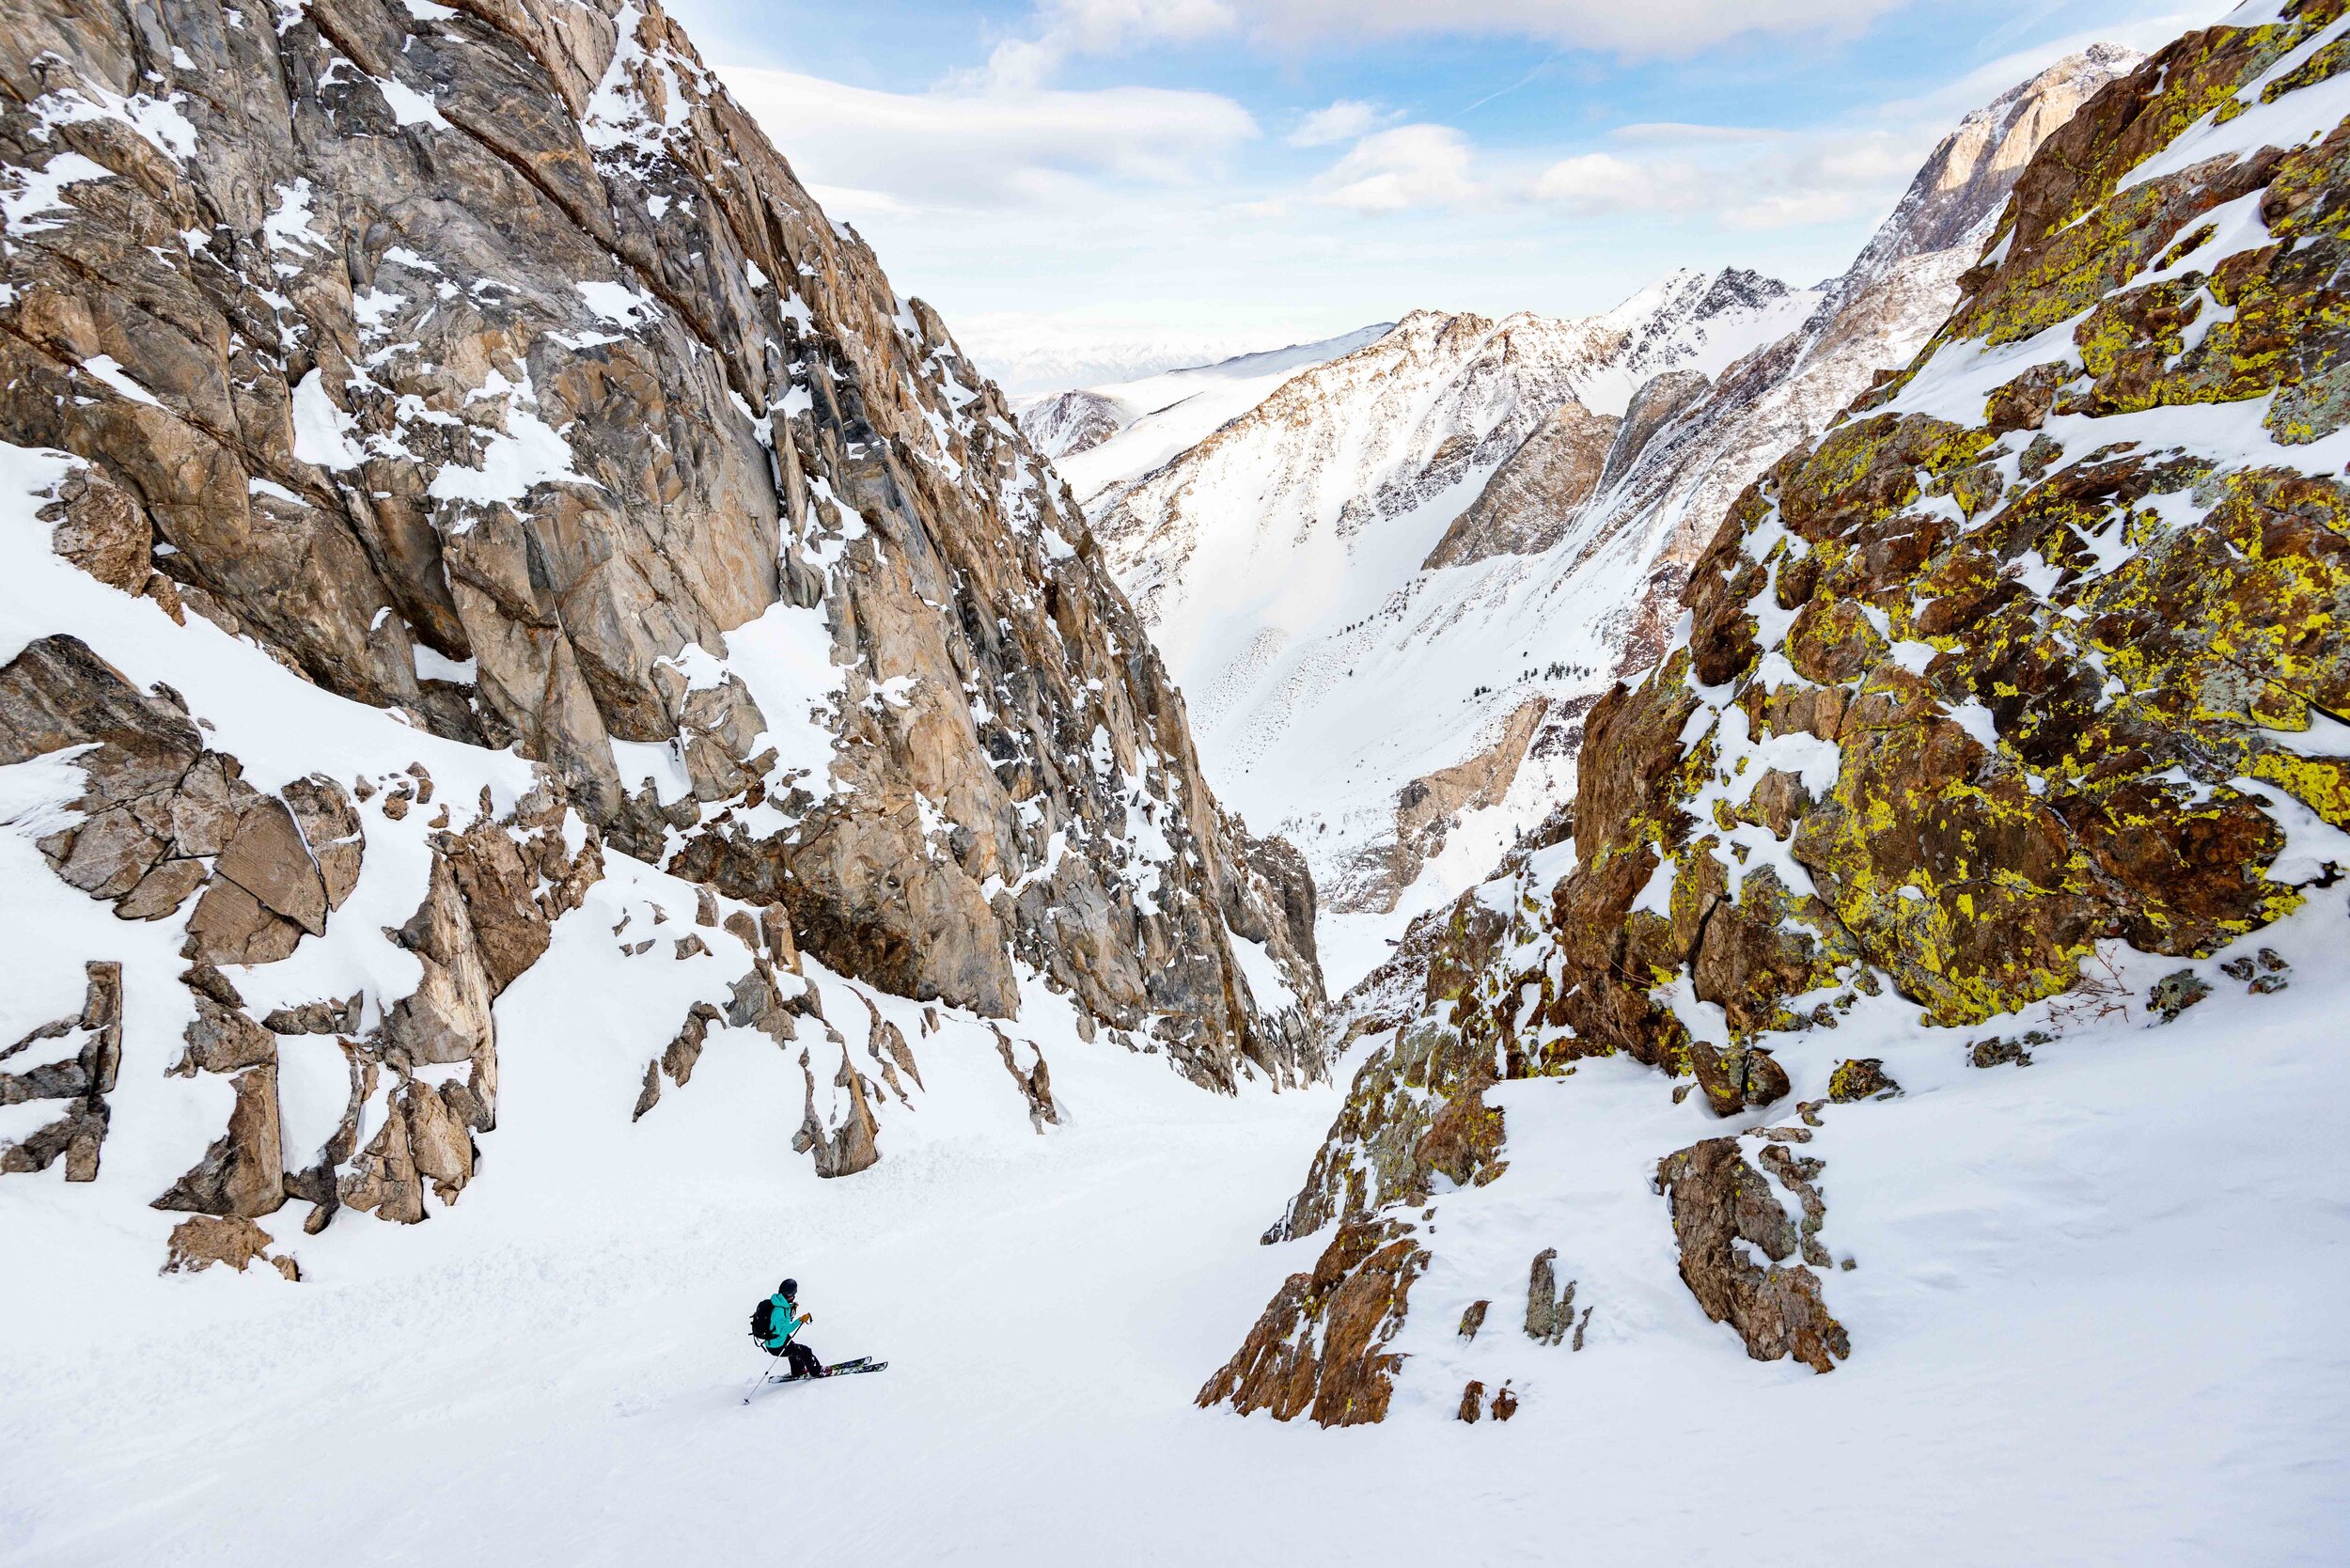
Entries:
{"x":1536,"y":492}
{"x":2021,"y":661}
{"x":78,"y":1073}
{"x":1427,"y":811}
{"x":1719,"y":1200}
{"x":1320,"y":1349}
{"x":488,"y":370}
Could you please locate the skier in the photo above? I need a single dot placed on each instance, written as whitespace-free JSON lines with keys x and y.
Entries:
{"x":784,"y":1320}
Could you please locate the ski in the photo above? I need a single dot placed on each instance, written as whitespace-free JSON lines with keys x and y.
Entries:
{"x":839,"y":1369}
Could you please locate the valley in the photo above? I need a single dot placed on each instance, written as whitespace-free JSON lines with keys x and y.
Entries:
{"x":1385,"y":948}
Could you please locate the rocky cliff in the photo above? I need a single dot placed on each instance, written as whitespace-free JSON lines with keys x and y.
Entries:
{"x":2006,"y":713}
{"x":481,"y":464}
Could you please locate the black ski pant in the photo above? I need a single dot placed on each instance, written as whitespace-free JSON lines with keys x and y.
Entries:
{"x":803,"y":1361}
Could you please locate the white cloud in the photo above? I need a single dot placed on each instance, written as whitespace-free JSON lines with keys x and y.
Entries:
{"x":1602,"y":182}
{"x":1639,"y":28}
{"x":1412,"y":165}
{"x":1740,"y":176}
{"x":1745,"y":178}
{"x":968,"y":148}
{"x":1341,"y":121}
{"x":1069,"y":27}
{"x":1062,"y":29}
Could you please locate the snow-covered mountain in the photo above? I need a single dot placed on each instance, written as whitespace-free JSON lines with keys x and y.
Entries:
{"x":1675,"y":486}
{"x":1391,"y":589}
{"x":1066,"y":423}
{"x":1102,"y":435}
{"x":1964,"y":181}
{"x":1278,"y":562}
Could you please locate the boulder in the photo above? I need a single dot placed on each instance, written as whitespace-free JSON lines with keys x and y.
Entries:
{"x":267,"y":858}
{"x":1549,"y":1312}
{"x":244,"y":1172}
{"x":1719,"y":1200}
{"x":200,"y":1243}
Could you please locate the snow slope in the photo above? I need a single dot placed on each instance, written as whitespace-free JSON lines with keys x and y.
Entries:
{"x":2098,"y":1297}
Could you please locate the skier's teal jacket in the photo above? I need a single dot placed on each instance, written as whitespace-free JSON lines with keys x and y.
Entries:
{"x":782,"y":1322}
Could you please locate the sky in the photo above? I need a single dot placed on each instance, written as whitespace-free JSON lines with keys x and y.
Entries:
{"x":1089,"y":188}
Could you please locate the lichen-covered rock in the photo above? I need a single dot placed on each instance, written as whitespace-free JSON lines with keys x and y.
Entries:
{"x":1549,"y":1312}
{"x":2175,"y":993}
{"x":1319,"y":1349}
{"x":1864,"y":1078}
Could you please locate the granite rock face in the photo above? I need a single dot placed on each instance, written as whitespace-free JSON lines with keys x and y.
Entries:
{"x":496,"y":369}
{"x":1531,"y":499}
{"x":2014,"y":660}
{"x":486,"y":367}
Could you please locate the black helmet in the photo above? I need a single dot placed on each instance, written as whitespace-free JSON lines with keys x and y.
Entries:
{"x":789,"y":1290}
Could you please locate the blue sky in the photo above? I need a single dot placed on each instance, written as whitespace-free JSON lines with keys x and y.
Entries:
{"x":1193,"y":177}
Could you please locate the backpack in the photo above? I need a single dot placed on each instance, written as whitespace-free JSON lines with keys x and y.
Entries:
{"x":763,"y":1320}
